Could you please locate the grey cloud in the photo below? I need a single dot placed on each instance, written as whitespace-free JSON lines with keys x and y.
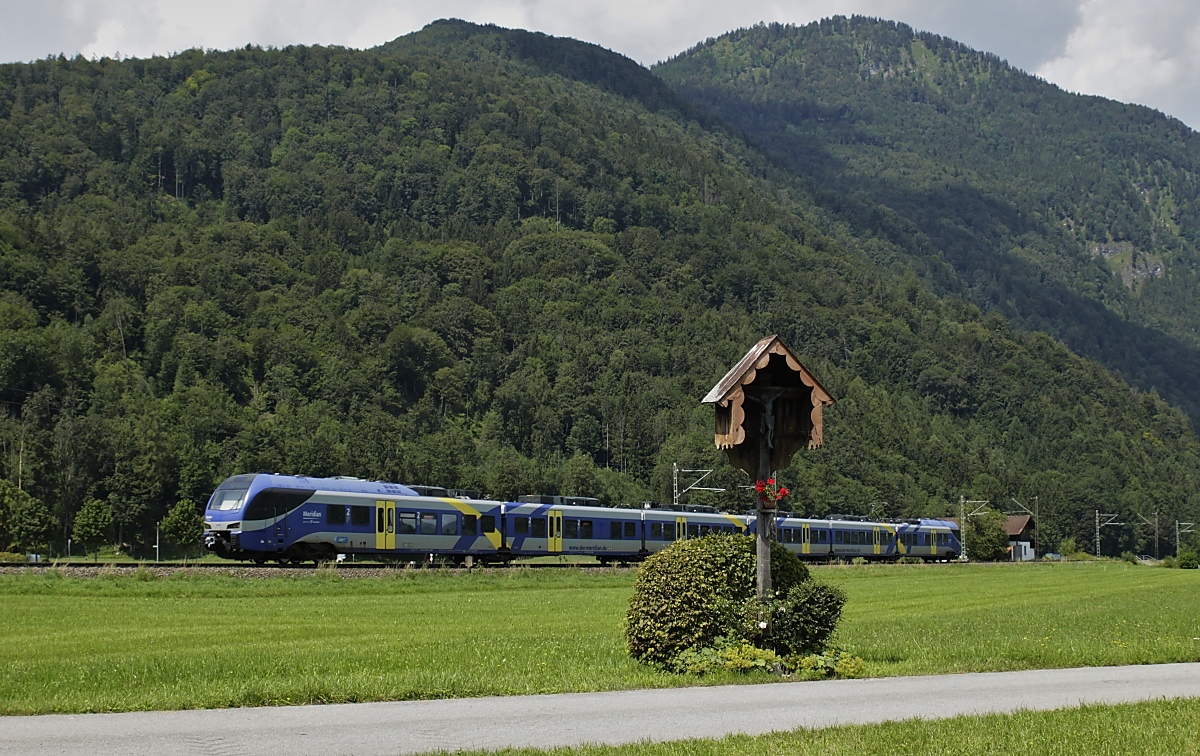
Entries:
{"x":1147,"y":53}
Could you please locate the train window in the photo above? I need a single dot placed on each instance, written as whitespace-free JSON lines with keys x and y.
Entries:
{"x":379,"y":519}
{"x":785,"y":535}
{"x":469,"y":525}
{"x":537,"y":527}
{"x":429,"y":523}
{"x":360,"y":515}
{"x":488,"y":523}
{"x":631,"y":530}
{"x":693,"y":531}
{"x":449,"y":524}
{"x":823,"y":536}
{"x":521,"y":525}
{"x":272,"y":502}
{"x":570,"y":528}
{"x":668,"y":531}
{"x":335,"y":514}
{"x":614,"y":531}
{"x":837,"y":536}
{"x":391,"y":521}
{"x":227,"y":500}
{"x":408,"y":523}
{"x":585,"y":528}
{"x":656,"y":531}
{"x":705,"y":530}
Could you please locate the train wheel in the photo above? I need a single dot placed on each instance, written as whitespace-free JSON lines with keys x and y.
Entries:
{"x":260,"y":560}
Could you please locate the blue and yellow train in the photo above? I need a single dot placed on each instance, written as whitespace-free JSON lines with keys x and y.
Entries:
{"x":289,"y":519}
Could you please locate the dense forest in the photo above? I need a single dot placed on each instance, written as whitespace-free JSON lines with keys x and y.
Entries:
{"x":492,"y":259}
{"x":1077,"y":216}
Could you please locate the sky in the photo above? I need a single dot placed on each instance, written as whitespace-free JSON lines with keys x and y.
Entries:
{"x":1141,"y":51}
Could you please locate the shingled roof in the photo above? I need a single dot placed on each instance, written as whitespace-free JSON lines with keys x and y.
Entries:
{"x":744,"y":371}
{"x":1017,"y":524}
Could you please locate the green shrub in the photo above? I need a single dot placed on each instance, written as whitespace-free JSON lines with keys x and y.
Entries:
{"x":726,"y":655}
{"x":859,"y":561}
{"x":694,"y":591}
{"x":910,"y":560}
{"x":8,"y":556}
{"x":802,"y":621}
{"x":828,"y":664}
{"x":1129,"y":556}
{"x":1169,"y":562}
{"x":1188,"y":560}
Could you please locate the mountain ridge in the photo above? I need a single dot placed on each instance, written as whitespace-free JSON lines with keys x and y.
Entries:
{"x":443,"y":263}
{"x":1008,"y":178}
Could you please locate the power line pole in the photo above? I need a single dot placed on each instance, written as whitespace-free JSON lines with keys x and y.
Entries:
{"x":1036,"y":520}
{"x":676,"y":493}
{"x":1110,"y":519}
{"x":962,"y":519}
{"x":1155,"y":524}
{"x":1186,"y":528}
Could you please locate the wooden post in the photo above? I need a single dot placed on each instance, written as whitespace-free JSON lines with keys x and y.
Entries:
{"x":767,"y":407}
{"x":763,"y":538}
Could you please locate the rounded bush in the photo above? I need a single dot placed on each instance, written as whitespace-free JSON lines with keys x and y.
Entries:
{"x":1188,"y":560}
{"x":803,"y":620}
{"x":691,"y":593}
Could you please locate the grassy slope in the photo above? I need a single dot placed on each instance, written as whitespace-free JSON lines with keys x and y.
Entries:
{"x":113,"y":644}
{"x":1155,"y":727}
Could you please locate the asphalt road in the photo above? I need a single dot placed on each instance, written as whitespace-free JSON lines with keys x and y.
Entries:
{"x":574,"y":718}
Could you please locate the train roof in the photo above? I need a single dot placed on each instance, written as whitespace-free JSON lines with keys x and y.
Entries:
{"x":256,"y":482}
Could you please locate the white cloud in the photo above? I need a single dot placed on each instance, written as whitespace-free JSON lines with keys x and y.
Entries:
{"x":1146,"y":52}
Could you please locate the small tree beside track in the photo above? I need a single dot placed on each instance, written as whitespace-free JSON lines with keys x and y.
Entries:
{"x":183,"y":526}
{"x":93,"y":526}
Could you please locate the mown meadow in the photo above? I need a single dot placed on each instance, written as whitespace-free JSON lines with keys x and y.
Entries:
{"x":1167,"y":726}
{"x":202,"y":640}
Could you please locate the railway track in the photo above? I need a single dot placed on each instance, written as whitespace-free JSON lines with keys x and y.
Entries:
{"x":119,"y":567}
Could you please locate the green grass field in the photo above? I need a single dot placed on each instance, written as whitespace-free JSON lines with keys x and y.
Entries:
{"x":1157,"y":727}
{"x":204,"y":640}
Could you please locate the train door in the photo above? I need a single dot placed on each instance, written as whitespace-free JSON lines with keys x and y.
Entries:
{"x":554,"y":532}
{"x":680,"y":528}
{"x":876,"y":541}
{"x":805,"y":540}
{"x":932,"y":537}
{"x":385,"y":525}
{"x":280,"y":530}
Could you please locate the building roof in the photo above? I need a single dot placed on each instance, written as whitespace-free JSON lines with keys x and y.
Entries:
{"x":744,"y":371}
{"x":1018,"y":524}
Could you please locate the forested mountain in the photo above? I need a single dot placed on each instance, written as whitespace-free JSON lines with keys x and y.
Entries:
{"x":1074,"y":215}
{"x":488,"y":258}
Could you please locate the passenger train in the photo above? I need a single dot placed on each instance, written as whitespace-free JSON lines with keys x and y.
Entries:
{"x":292,"y":519}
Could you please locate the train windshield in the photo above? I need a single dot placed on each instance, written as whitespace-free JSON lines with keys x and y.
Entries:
{"x":227,"y":500}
